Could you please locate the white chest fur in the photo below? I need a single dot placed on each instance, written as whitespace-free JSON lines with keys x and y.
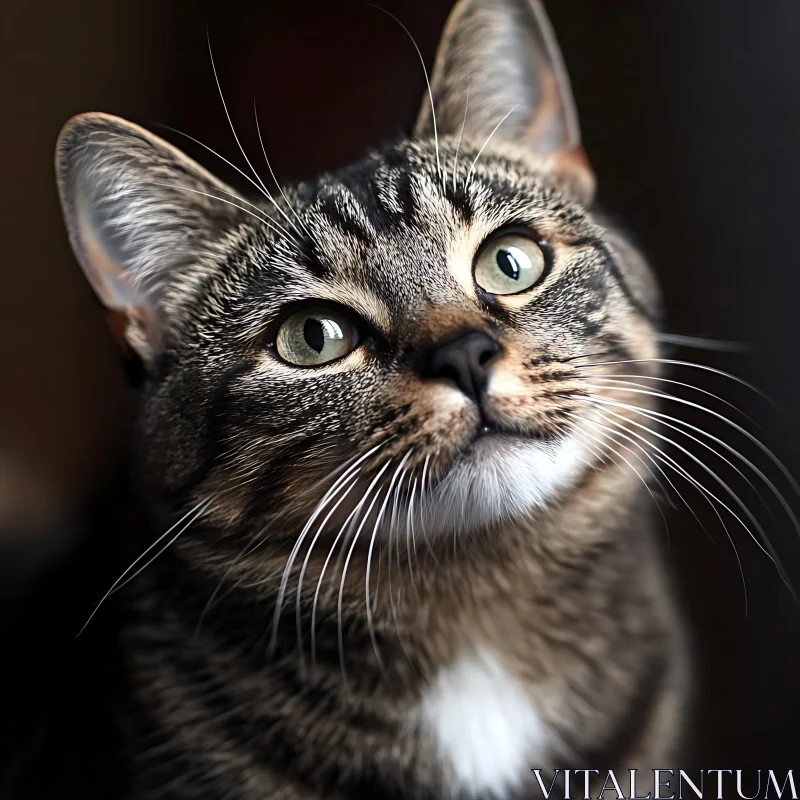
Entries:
{"x":484,"y":725}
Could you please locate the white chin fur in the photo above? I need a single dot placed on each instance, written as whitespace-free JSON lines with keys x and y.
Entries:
{"x":501,"y":477}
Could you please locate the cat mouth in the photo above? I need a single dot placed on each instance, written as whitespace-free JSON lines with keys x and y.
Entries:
{"x":491,"y":439}
{"x":489,"y":431}
{"x":500,"y":472}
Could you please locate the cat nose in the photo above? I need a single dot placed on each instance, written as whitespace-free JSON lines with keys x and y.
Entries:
{"x":465,"y":361}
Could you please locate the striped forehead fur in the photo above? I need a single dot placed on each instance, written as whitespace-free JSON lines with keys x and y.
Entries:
{"x":402,"y":551}
{"x":384,"y":232}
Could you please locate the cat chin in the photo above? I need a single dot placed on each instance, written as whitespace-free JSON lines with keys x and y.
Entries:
{"x":502,"y":477}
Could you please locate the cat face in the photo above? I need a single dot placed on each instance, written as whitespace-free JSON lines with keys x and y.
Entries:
{"x":408,"y":332}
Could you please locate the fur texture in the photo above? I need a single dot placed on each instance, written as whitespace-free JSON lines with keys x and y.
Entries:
{"x":369,"y":579}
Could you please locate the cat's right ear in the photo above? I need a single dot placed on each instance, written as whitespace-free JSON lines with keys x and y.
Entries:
{"x":499,"y":73}
{"x":144,"y":221}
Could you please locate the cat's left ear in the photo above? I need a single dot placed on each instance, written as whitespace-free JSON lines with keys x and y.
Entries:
{"x":144,"y":220}
{"x":498,"y":63}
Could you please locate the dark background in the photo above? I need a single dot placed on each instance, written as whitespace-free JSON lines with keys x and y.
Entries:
{"x":691,"y":117}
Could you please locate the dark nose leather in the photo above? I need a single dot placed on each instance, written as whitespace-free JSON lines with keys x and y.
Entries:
{"x":465,"y":361}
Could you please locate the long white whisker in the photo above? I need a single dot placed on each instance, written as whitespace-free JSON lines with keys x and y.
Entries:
{"x":439,"y":170}
{"x":616,"y":452}
{"x":197,"y":511}
{"x":258,"y":539}
{"x":280,"y":188}
{"x":460,"y":134}
{"x":378,"y":521}
{"x":423,"y":485}
{"x":327,"y":497}
{"x":340,"y":603}
{"x":701,"y":343}
{"x":235,"y":136}
{"x":670,"y":462}
{"x":661,"y":416}
{"x":488,"y":139}
{"x":625,"y":379}
{"x":766,"y":547}
{"x":393,"y":531}
{"x":264,"y":220}
{"x":278,"y":227}
{"x":350,"y":517}
{"x":298,"y":599}
{"x":691,"y":365}
{"x":410,"y":537}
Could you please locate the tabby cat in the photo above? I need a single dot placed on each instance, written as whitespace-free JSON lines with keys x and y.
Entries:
{"x":393,"y":554}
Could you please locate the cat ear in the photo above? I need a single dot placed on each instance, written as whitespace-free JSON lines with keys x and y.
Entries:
{"x":140,"y":221}
{"x":498,"y":58}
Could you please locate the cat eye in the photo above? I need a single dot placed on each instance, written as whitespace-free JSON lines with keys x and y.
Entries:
{"x":316,"y":335}
{"x":509,"y":264}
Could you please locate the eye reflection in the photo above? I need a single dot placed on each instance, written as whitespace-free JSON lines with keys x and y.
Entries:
{"x":509,"y":264}
{"x":315,"y":335}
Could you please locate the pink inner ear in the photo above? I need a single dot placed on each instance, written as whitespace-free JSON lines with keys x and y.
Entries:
{"x":108,"y":278}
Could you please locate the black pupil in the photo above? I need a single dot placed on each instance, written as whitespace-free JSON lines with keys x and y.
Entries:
{"x":314,"y":335}
{"x":508,"y":264}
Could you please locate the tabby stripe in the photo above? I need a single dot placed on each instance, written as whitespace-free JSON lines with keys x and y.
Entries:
{"x":341,"y":218}
{"x":613,"y":266}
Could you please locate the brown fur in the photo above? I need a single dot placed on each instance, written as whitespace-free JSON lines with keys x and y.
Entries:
{"x":562,"y":582}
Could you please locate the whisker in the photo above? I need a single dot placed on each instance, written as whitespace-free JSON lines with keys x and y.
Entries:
{"x":613,"y":450}
{"x":640,"y":455}
{"x":571,"y":359}
{"x":670,"y":462}
{"x":393,"y":531}
{"x":460,"y":134}
{"x":236,"y":137}
{"x":439,"y":170}
{"x":692,"y":365}
{"x":623,"y":379}
{"x":197,"y":511}
{"x":661,"y":416}
{"x":423,"y":485}
{"x":280,"y":188}
{"x":378,"y":520}
{"x":298,"y":599}
{"x":488,"y":139}
{"x":701,"y":343}
{"x":264,"y":220}
{"x":326,"y":498}
{"x":410,"y":533}
{"x":279,"y":229}
{"x":350,"y":519}
{"x":766,"y":547}
{"x":340,"y":603}
{"x":255,"y":542}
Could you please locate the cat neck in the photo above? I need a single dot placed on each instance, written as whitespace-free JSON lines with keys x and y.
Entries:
{"x":212,"y":662}
{"x":420,"y":608}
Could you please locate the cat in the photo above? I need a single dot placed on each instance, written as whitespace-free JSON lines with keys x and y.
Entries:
{"x":395,"y":555}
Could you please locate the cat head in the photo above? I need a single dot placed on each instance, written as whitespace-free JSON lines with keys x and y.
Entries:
{"x":406,"y":333}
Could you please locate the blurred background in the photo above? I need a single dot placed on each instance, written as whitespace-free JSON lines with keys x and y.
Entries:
{"x":691,"y":117}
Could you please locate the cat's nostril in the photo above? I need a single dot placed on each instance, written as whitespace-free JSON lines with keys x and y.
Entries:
{"x":449,"y":372}
{"x":465,"y":361}
{"x":486,"y":356}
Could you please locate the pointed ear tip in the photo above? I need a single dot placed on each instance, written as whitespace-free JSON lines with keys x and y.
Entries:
{"x":89,"y":120}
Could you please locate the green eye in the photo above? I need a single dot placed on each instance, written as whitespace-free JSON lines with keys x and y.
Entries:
{"x":510,"y":264}
{"x":316,"y":335}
